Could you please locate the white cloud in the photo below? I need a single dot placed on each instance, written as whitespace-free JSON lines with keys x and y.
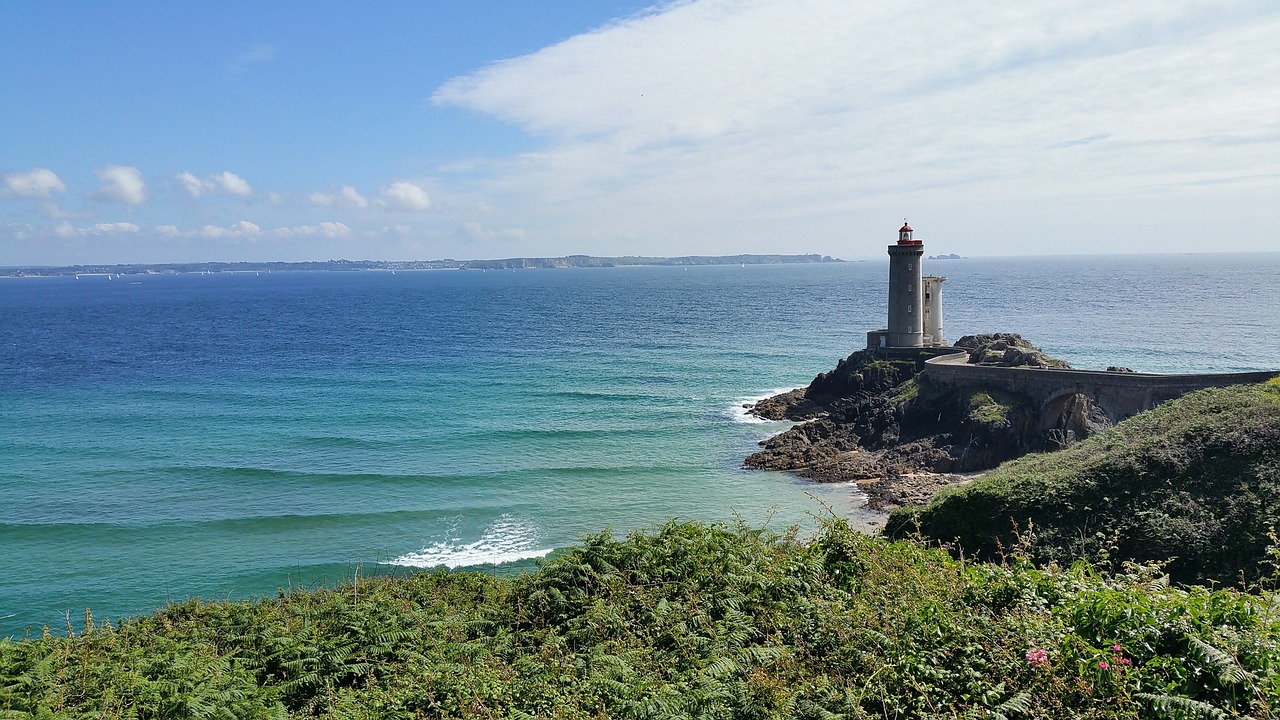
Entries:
{"x":193,"y":185}
{"x":404,"y":196}
{"x":476,"y":231}
{"x":121,"y":184}
{"x":346,"y":196}
{"x":168,"y":231}
{"x":232,"y":184}
{"x":225,"y":181}
{"x":244,"y":228}
{"x":65,"y":229}
{"x":250,"y":58}
{"x":114,"y":228}
{"x":17,"y":231}
{"x":335,"y":229}
{"x":324,"y":229}
{"x":37,"y":183}
{"x":753,"y":121}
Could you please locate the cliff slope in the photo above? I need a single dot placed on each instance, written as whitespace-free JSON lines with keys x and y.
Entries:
{"x":1194,"y":482}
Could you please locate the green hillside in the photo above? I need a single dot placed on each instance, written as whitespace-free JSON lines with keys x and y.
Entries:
{"x":1194,"y":482}
{"x":687,"y":621}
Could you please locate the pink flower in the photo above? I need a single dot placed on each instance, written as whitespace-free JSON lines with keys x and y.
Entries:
{"x":1104,"y":664}
{"x":1037,"y":657}
{"x":1117,"y":648}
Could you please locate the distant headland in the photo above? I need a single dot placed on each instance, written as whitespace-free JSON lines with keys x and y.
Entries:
{"x":567,"y":261}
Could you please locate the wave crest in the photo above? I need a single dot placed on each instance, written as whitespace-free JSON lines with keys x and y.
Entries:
{"x":738,"y":412}
{"x":506,"y":539}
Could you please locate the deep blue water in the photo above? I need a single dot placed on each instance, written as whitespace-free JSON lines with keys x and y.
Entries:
{"x":229,"y":435}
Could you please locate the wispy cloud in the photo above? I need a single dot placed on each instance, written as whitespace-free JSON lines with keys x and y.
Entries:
{"x":326,"y":229}
{"x":346,"y":196}
{"x":225,"y":181}
{"x":250,"y":58}
{"x":243,"y":228}
{"x":745,"y":118}
{"x":1081,"y":141}
{"x":67,"y":230}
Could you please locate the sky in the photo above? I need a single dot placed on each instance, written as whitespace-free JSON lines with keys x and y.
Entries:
{"x":135,"y":132}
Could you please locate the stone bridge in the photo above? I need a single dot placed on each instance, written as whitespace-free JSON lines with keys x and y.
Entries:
{"x":1119,"y":394}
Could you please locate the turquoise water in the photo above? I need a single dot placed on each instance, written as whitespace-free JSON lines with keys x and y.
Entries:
{"x":230,"y":435}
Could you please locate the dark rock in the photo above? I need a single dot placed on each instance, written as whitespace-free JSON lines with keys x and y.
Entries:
{"x":1071,"y":419}
{"x":792,"y":405}
{"x":875,"y":421}
{"x":1006,"y":350}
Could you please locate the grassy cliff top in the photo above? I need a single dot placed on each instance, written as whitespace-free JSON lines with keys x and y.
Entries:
{"x":1194,"y":482}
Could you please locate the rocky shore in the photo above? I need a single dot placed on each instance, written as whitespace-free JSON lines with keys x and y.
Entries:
{"x":877,"y":422}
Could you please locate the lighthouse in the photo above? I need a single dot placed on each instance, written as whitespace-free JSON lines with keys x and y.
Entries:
{"x":915,"y":300}
{"x":906,"y":291}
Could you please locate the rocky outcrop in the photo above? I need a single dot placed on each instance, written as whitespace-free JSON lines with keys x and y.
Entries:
{"x":1006,"y":350}
{"x":1071,"y":419}
{"x":876,"y":421}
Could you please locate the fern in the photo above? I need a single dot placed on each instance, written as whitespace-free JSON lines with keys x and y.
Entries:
{"x":1183,"y":707}
{"x":1017,"y":705}
{"x":722,"y":666}
{"x":1225,"y":667}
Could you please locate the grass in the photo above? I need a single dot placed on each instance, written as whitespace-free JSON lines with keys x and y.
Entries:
{"x":906,"y":392}
{"x":985,"y":409}
{"x":1194,"y":483}
{"x":685,"y":621}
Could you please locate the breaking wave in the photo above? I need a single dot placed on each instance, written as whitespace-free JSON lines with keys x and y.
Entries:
{"x":506,"y":539}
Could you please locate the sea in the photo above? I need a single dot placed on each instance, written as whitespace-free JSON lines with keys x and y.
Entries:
{"x":237,"y":435}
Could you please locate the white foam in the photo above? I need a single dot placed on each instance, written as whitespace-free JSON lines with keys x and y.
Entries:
{"x":739,"y":413}
{"x":507,"y":539}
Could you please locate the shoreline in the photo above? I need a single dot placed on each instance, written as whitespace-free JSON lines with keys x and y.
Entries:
{"x":901,"y":440}
{"x":882,"y":492}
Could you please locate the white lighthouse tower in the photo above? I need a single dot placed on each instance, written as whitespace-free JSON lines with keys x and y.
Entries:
{"x":915,"y":300}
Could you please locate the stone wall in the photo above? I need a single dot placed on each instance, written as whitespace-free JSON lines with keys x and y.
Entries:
{"x":1119,"y":394}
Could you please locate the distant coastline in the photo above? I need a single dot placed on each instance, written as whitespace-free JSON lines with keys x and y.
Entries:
{"x":567,"y":261}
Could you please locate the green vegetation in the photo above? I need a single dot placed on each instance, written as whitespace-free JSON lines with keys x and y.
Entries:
{"x":1194,"y":483}
{"x":985,"y":409}
{"x":906,"y":392}
{"x":686,"y":621}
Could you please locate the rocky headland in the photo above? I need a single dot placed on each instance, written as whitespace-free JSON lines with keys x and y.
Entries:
{"x":878,"y":422}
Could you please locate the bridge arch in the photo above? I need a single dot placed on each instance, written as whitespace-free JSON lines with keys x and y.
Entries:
{"x":1118,"y":394}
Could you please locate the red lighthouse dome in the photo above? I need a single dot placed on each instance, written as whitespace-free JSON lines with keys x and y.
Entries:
{"x":904,"y":235}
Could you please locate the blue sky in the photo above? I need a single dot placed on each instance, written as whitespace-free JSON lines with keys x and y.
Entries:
{"x":167,"y":132}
